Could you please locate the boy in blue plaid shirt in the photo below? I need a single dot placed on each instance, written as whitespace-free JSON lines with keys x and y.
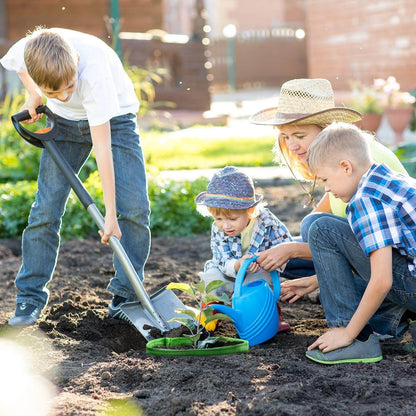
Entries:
{"x":366,"y":265}
{"x":242,"y":227}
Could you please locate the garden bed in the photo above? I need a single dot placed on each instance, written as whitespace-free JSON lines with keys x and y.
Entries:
{"x":92,"y":359}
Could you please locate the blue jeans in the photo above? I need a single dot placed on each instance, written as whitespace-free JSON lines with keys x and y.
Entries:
{"x":296,"y":268}
{"x":40,"y":241}
{"x":343,"y":274}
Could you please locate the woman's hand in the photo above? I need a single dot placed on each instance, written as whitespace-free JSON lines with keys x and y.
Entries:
{"x":111,"y":227}
{"x":333,"y":339}
{"x":292,"y":290}
{"x":274,"y":257}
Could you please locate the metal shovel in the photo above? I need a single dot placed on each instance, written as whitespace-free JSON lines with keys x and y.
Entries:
{"x":149,"y":312}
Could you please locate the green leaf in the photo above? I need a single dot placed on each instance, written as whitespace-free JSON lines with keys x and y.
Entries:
{"x":215,"y":284}
{"x":216,"y":299}
{"x":225,"y":298}
{"x":186,"y":311}
{"x":207,"y":341}
{"x":200,"y":286}
{"x":194,"y":338}
{"x":184,"y":287}
{"x":220,"y":316}
{"x":189,"y":323}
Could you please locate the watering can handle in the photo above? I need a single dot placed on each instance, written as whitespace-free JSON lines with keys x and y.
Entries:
{"x":242,"y":272}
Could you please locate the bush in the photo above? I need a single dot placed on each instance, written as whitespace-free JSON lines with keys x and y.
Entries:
{"x":407,"y":155}
{"x":15,"y":202}
{"x":173,"y":210}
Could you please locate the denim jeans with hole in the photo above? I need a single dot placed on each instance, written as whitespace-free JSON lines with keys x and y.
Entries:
{"x":40,"y":240}
{"x":343,"y":274}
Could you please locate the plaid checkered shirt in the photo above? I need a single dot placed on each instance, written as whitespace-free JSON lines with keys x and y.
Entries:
{"x":383,"y":212}
{"x":226,"y":250}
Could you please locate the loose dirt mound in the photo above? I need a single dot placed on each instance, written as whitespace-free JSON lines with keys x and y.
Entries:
{"x":91,"y":358}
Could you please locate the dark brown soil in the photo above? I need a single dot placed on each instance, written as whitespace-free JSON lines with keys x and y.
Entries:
{"x":96,"y":362}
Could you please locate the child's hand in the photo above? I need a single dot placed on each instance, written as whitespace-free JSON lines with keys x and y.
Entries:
{"x":292,"y":290}
{"x":33,"y":102}
{"x":111,"y":227}
{"x":333,"y":339}
{"x":252,"y":268}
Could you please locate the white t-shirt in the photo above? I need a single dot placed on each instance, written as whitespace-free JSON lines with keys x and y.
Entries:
{"x":104,"y":89}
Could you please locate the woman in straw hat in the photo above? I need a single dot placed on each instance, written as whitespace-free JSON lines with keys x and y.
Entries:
{"x":305,"y":107}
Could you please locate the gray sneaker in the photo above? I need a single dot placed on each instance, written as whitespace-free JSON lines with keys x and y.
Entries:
{"x":115,"y":311}
{"x":357,"y":352}
{"x":411,"y":346}
{"x":26,"y":314}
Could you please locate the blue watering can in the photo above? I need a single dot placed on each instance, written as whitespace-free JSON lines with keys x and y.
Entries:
{"x":254,"y":309}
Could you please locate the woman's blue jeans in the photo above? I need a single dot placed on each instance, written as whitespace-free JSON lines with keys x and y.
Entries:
{"x":40,"y":241}
{"x":296,"y":268}
{"x":344,"y":271}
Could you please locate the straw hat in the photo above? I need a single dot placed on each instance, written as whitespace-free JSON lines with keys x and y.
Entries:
{"x":305,"y":101}
{"x":231,"y":189}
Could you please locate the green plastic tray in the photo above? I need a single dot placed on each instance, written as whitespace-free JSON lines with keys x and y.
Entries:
{"x":168,"y":346}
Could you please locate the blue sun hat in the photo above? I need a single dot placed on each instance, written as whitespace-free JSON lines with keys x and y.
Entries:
{"x":231,"y":189}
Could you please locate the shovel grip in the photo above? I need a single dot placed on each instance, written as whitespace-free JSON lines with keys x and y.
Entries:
{"x":24,"y":115}
{"x":36,"y":139}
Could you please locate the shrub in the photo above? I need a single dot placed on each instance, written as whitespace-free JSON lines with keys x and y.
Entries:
{"x":173,"y":210}
{"x":407,"y":155}
{"x":172,"y":204}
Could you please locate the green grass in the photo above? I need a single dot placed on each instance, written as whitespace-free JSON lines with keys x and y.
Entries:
{"x":169,"y":153}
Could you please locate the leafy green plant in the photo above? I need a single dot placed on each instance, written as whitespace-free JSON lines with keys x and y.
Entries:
{"x":366,"y":98}
{"x":173,"y":210}
{"x":144,"y":81}
{"x":407,"y":155}
{"x":20,"y":160}
{"x":172,"y":204}
{"x":197,"y":318}
{"x":15,"y":202}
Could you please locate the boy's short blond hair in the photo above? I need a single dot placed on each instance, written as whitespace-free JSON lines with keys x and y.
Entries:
{"x":336,"y":142}
{"x":50,"y":60}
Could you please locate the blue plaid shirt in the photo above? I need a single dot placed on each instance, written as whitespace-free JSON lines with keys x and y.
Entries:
{"x":226,"y":250}
{"x":383,"y":212}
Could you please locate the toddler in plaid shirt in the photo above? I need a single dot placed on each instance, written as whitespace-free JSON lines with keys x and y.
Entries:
{"x":242,"y":227}
{"x":366,"y":265}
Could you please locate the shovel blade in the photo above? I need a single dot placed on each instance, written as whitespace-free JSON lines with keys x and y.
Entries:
{"x":165,"y":302}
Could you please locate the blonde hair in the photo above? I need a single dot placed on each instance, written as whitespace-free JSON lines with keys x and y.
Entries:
{"x":336,"y":142}
{"x":50,"y":60}
{"x":284,"y":155}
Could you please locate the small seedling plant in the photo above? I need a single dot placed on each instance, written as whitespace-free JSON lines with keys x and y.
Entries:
{"x":197,"y":319}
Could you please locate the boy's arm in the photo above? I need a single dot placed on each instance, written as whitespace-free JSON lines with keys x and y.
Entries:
{"x":378,"y":287}
{"x":35,"y":97}
{"x":101,"y":139}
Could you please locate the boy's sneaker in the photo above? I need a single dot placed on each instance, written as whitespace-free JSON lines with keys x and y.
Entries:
{"x":114,"y":309}
{"x":411,"y":346}
{"x":25,"y":314}
{"x":358,"y":352}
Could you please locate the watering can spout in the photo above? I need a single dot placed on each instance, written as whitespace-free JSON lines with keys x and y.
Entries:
{"x":232,"y":313}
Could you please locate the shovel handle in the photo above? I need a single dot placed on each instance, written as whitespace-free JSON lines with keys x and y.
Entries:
{"x":46,"y":140}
